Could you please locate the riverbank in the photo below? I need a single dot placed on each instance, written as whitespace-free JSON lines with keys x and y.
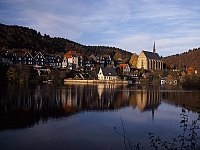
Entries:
{"x":95,"y":81}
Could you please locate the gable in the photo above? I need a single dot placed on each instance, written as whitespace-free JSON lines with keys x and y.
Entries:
{"x":100,"y":71}
{"x":39,"y":55}
{"x":142,"y":54}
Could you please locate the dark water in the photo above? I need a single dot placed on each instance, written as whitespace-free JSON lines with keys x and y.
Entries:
{"x":85,"y":116}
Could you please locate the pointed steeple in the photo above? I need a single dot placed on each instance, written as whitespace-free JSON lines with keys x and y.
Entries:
{"x":154,"y":47}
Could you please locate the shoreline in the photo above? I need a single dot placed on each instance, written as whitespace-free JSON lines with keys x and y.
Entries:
{"x":95,"y":81}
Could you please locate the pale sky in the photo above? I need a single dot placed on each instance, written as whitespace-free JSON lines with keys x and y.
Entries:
{"x":132,"y":25}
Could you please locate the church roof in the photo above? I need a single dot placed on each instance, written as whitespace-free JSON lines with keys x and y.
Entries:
{"x":151,"y":55}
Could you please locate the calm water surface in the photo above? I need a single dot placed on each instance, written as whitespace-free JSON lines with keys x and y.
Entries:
{"x":79,"y":116}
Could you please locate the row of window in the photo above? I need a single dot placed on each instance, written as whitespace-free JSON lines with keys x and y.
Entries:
{"x":106,"y":78}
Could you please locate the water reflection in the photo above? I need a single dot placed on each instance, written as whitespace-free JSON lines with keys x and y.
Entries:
{"x":146,"y":100}
{"x":25,"y":106}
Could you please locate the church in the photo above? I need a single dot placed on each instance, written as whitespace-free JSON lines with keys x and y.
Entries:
{"x":150,"y":60}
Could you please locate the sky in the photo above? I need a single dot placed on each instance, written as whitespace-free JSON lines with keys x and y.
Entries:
{"x":132,"y":25}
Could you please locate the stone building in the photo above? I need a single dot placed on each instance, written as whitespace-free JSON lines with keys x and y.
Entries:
{"x":149,"y":60}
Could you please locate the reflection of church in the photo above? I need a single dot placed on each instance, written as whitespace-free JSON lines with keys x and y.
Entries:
{"x":146,"y":100}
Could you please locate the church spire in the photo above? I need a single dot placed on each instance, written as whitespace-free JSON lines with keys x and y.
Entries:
{"x":154,"y":47}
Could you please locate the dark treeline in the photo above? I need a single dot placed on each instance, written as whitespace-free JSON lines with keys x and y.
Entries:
{"x":186,"y":59}
{"x":17,"y":37}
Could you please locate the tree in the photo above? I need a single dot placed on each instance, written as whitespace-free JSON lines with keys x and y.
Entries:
{"x":11,"y":74}
{"x":18,"y":73}
{"x":23,"y":73}
{"x":190,"y":71}
{"x":133,"y":60}
{"x":117,"y":56}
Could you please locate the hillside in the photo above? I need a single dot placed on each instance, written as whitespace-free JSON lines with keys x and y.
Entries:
{"x":17,"y":37}
{"x":187,"y":59}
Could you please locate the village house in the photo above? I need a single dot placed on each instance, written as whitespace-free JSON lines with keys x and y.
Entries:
{"x":124,"y":68}
{"x":49,"y":59}
{"x":7,"y":58}
{"x":104,"y":60}
{"x":52,"y":60}
{"x":39,"y":59}
{"x":23,"y":58}
{"x":71,"y":60}
{"x":88,"y":63}
{"x":107,"y":73}
{"x":149,"y":60}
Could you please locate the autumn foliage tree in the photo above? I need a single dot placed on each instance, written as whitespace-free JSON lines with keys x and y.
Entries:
{"x":133,"y":60}
{"x":117,"y":56}
{"x":187,"y":59}
{"x":190,"y":71}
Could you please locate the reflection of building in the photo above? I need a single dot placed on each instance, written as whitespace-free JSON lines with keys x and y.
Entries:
{"x":146,"y":100}
{"x":42,"y":102}
{"x":100,"y":88}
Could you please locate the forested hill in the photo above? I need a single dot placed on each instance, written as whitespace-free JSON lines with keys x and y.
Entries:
{"x":187,"y":59}
{"x":17,"y":37}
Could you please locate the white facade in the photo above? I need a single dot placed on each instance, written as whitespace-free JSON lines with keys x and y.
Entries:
{"x":108,"y":77}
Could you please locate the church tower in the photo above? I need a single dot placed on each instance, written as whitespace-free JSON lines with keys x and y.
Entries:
{"x":154,"y":47}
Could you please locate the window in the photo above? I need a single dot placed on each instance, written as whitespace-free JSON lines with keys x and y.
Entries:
{"x":142,"y":63}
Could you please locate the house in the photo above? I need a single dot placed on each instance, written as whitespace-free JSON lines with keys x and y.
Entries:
{"x":22,"y":57}
{"x":58,"y":61}
{"x":80,"y":61}
{"x":169,"y":80}
{"x":107,"y":73}
{"x":64,"y":62}
{"x":149,"y":60}
{"x":50,"y":59}
{"x":7,"y":58}
{"x":39,"y":59}
{"x":124,"y":68}
{"x":100,"y":60}
{"x":88,"y":63}
{"x":108,"y":60}
{"x":104,"y":60}
{"x":70,"y":60}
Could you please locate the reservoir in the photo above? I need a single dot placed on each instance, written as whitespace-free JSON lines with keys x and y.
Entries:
{"x":98,"y":116}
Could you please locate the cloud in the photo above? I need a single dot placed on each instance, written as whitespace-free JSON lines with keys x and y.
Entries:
{"x":127,"y":24}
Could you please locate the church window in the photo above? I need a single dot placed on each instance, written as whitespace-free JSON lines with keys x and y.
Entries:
{"x":142,"y":63}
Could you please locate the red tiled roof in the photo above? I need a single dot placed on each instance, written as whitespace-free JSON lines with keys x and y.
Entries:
{"x":71,"y":54}
{"x":67,"y":56}
{"x":123,"y":65}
